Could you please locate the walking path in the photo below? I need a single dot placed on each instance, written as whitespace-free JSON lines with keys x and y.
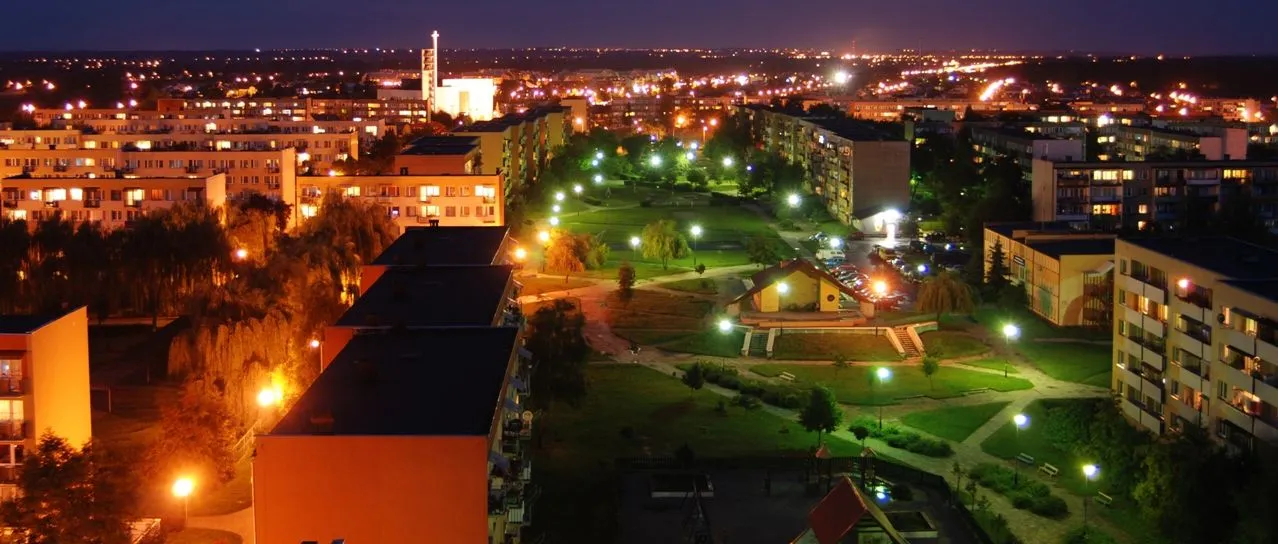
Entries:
{"x":240,"y":523}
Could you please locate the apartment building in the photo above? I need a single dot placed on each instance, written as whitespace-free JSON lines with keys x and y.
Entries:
{"x":110,"y":202}
{"x":1137,"y":194}
{"x":1016,"y":143}
{"x":395,"y":112}
{"x":446,"y":295}
{"x":857,"y":170}
{"x":437,"y":246}
{"x":461,"y":201}
{"x":44,"y":386}
{"x":1194,"y":337}
{"x":517,"y":146}
{"x":1066,"y":273}
{"x":435,"y":155}
{"x":1137,"y":143}
{"x":409,"y":435}
{"x":891,"y":109}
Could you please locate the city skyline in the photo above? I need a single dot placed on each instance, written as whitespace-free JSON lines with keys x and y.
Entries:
{"x":920,"y":24}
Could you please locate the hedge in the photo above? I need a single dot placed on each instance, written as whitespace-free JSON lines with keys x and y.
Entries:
{"x":1026,"y":493}
{"x":900,"y":438}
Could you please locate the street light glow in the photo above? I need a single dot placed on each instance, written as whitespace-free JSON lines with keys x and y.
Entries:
{"x":1011,"y":331}
{"x":559,"y":195}
{"x":314,"y":343}
{"x":655,"y":161}
{"x":577,"y":188}
{"x":793,"y":200}
{"x":836,"y":243}
{"x":922,"y":268}
{"x":241,"y":254}
{"x":544,"y":236}
{"x":727,"y":162}
{"x":555,"y":208}
{"x":183,"y":487}
{"x":598,"y":178}
{"x":1020,"y":420}
{"x":883,"y":373}
{"x":554,"y":221}
{"x":841,"y":77}
{"x":690,"y":155}
{"x":520,"y":254}
{"x":634,"y":242}
{"x":696,"y":230}
{"x":1183,"y":283}
{"x":268,"y":396}
{"x":599,"y":155}
{"x":880,"y":287}
{"x":594,"y":162}
{"x":783,"y":288}
{"x":725,"y":326}
{"x":1090,"y":470}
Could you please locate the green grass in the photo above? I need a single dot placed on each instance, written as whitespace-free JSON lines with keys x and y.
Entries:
{"x":1072,"y":362}
{"x":712,"y":343}
{"x":955,"y":423}
{"x":651,"y":337}
{"x":1006,"y":443}
{"x":227,"y":498}
{"x":1032,"y":326}
{"x":901,"y":317}
{"x":823,"y":347}
{"x":573,"y":467}
{"x":951,"y":344}
{"x":536,"y":285}
{"x":1000,"y":365}
{"x":652,"y":310}
{"x":704,"y":286}
{"x":197,"y":535}
{"x":852,"y":385}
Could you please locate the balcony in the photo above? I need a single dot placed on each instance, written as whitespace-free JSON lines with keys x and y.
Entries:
{"x":1186,"y":412}
{"x":1127,"y":376}
{"x":12,"y":386}
{"x":95,"y":203}
{"x":1234,"y":414}
{"x":1191,"y":344}
{"x":1139,"y":414}
{"x":1233,"y":371}
{"x":1240,"y":340}
{"x":13,"y":430}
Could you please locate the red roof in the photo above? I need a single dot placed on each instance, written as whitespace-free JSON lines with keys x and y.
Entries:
{"x":837,"y":513}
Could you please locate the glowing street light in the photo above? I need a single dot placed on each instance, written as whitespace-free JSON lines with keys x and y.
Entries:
{"x":654,"y":161}
{"x":599,"y":155}
{"x":1021,"y":421}
{"x":555,"y":208}
{"x":882,"y":374}
{"x":1010,"y":332}
{"x":725,"y":326}
{"x":880,"y":288}
{"x":182,"y":489}
{"x":577,"y":189}
{"x":841,"y":77}
{"x":594,"y":162}
{"x":554,"y":221}
{"x":727,"y":162}
{"x":521,"y":254}
{"x":598,"y":179}
{"x":836,"y":243}
{"x":690,"y":155}
{"x":314,"y":343}
{"x":559,"y":195}
{"x":1183,"y":284}
{"x":634,"y":242}
{"x":268,"y":396}
{"x":241,"y":254}
{"x":783,"y":288}
{"x":1089,"y":473}
{"x":794,"y":200}
{"x":543,"y":236}
{"x":696,"y":233}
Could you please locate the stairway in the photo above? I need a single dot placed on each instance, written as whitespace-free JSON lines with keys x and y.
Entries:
{"x":902,"y":334}
{"x":758,"y":343}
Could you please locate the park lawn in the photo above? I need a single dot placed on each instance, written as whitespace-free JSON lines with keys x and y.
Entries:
{"x":853,"y":385}
{"x":711,"y":343}
{"x":1005,"y":443}
{"x":227,"y":498}
{"x":651,"y":337}
{"x":823,"y":347}
{"x":657,"y":310}
{"x":536,"y":285}
{"x":1000,"y":365}
{"x":704,"y":286}
{"x":1032,"y":326}
{"x":573,"y":466}
{"x":954,"y":423}
{"x":199,"y":535}
{"x":1071,"y":361}
{"x":895,"y":318}
{"x":951,"y":344}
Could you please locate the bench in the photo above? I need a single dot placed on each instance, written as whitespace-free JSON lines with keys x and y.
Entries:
{"x":1104,"y":499}
{"x":1050,"y":470}
{"x":786,"y":376}
{"x":1025,"y":458}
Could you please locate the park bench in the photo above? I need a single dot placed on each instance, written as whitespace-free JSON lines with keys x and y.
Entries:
{"x":1049,"y":470}
{"x":1104,"y":499}
{"x":786,"y":376}
{"x":1025,"y":458}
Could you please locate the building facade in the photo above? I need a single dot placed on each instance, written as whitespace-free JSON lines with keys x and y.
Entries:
{"x":109,"y":202}
{"x":1138,"y":143}
{"x":455,"y":201}
{"x":1067,"y":275}
{"x":517,"y":146}
{"x":992,"y":142}
{"x":1194,"y":337}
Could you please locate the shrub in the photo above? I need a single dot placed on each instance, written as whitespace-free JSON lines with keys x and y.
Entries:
{"x":730,"y":381}
{"x":627,"y":432}
{"x":1029,"y":494}
{"x":1084,"y":535}
{"x":749,"y":402}
{"x":750,"y":387}
{"x":683,"y":186}
{"x":1021,"y":501}
{"x":1050,"y":506}
{"x":786,"y":224}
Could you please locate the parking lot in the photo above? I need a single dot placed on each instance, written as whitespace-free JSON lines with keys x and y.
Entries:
{"x":889,"y":277}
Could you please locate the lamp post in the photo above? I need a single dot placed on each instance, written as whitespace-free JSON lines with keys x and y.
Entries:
{"x":598,"y":179}
{"x":559,"y":196}
{"x":182,"y":489}
{"x":794,"y":200}
{"x":782,"y":289}
{"x":1089,"y":473}
{"x":880,"y":289}
{"x":882,"y":374}
{"x":1021,"y":421}
{"x":577,"y":189}
{"x":1010,"y":332}
{"x":696,"y":233}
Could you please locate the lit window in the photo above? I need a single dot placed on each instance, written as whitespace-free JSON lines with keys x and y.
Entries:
{"x":352,"y":190}
{"x":308,"y":210}
{"x":35,"y":195}
{"x":1143,"y":208}
{"x":77,"y":194}
{"x":486,"y":191}
{"x":429,"y":191}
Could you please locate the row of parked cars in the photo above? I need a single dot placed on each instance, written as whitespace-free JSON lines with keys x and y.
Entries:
{"x":861,"y":283}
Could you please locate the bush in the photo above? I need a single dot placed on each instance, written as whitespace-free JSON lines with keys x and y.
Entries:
{"x":1084,"y":535}
{"x":683,"y":186}
{"x":592,"y":201}
{"x":749,"y":402}
{"x":899,"y":438}
{"x":730,"y":381}
{"x":787,"y":224}
{"x":1029,"y":494}
{"x":1050,"y":506}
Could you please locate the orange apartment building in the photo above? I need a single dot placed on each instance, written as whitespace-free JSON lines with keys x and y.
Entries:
{"x":409,"y":435}
{"x":434,"y":155}
{"x":110,"y":202}
{"x":431,"y":246}
{"x":44,"y":386}
{"x":465,"y":200}
{"x":518,"y":145}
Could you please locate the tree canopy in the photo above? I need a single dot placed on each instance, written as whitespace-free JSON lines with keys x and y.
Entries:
{"x":70,"y":495}
{"x":662,"y":240}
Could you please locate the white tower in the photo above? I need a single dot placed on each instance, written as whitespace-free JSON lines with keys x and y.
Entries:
{"x":434,"y":69}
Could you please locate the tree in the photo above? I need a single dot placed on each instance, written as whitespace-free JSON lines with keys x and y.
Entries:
{"x":822,"y":412}
{"x":930,"y":367}
{"x":1177,"y":476}
{"x":198,"y":435}
{"x":697,"y":177}
{"x":626,"y":282}
{"x":694,"y":378}
{"x":861,"y":433}
{"x":72,"y":496}
{"x":563,"y":255}
{"x":996,"y":274}
{"x":945,"y":293}
{"x":957,"y":471}
{"x":662,"y":240}
{"x":559,"y":351}
{"x":760,"y":251}
{"x":700,"y":269}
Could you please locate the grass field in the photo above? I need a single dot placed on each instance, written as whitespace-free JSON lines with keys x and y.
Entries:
{"x":1007,"y":444}
{"x":633,"y":411}
{"x":704,"y":286}
{"x":992,"y":364}
{"x":651,"y":310}
{"x":711,"y":343}
{"x":956,"y":423}
{"x":823,"y":347}
{"x":951,"y":344}
{"x":536,"y":285}
{"x":1072,"y":362}
{"x":853,"y":385}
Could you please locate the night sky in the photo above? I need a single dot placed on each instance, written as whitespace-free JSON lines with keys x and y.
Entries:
{"x":1136,"y":26}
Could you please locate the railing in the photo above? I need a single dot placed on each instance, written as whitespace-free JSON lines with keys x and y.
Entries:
{"x":13,"y":430}
{"x":1196,"y":298}
{"x":95,"y":203}
{"x":12,"y":385}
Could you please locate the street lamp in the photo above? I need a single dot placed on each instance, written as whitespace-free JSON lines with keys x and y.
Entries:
{"x":654,"y":161}
{"x":835,"y":243}
{"x":1021,"y":421}
{"x":794,"y":200}
{"x":554,"y":221}
{"x":268,"y":396}
{"x":182,"y":489}
{"x":882,"y":374}
{"x":594,"y":162}
{"x":559,"y":196}
{"x":1089,"y":473}
{"x":634,"y":242}
{"x":543,"y":236}
{"x":880,"y":288}
{"x":690,"y":156}
{"x":727,"y":162}
{"x":598,"y":179}
{"x":1010,"y":332}
{"x":314,"y":343}
{"x":725,"y":326}
{"x":599,"y":155}
{"x":577,"y":189}
{"x":555,"y":208}
{"x":241,"y":254}
{"x":696,"y":233}
{"x":521,"y":254}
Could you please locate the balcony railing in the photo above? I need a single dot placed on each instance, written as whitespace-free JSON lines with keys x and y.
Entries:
{"x":12,"y":385}
{"x":1197,"y":298}
{"x":13,"y":430}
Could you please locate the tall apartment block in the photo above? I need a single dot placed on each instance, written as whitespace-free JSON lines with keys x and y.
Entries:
{"x":1195,"y":337}
{"x":44,"y":386}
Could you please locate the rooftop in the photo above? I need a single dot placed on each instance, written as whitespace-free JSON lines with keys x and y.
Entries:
{"x":1116,"y":165}
{"x":502,"y":123}
{"x":441,"y":145}
{"x":1012,"y":131}
{"x":24,"y":324}
{"x":436,"y":246}
{"x":1010,"y":228}
{"x":1266,"y":289}
{"x":431,"y":296}
{"x":1056,"y":248}
{"x":417,"y":382}
{"x":1231,"y":258}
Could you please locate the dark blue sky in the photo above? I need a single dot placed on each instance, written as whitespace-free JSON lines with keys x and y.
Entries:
{"x":1139,"y":26}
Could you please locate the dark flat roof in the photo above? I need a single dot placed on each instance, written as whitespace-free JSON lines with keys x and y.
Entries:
{"x":436,"y":246}
{"x":415,"y":382}
{"x":1007,"y":229}
{"x":441,"y":145}
{"x":1114,"y":165}
{"x":1056,"y":248}
{"x":1017,"y":132}
{"x":1266,"y":289}
{"x":431,"y":296}
{"x":1230,"y":257}
{"x":24,"y":324}
{"x":502,"y":123}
